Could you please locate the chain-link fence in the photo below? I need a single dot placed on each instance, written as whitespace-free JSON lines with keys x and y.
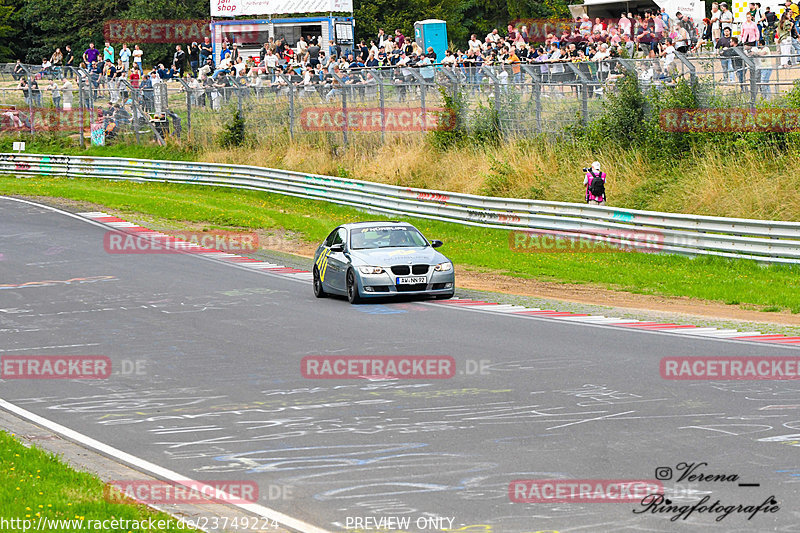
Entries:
{"x":380,"y":103}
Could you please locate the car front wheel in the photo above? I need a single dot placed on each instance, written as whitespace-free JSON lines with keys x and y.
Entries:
{"x":352,"y":288}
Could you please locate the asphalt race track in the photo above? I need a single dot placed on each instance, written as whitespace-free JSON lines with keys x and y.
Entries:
{"x":207,"y":383}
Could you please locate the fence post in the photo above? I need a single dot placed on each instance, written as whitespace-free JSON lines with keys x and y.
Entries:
{"x":189,"y":92}
{"x":344,"y":115}
{"x":82,"y":107}
{"x":29,"y":78}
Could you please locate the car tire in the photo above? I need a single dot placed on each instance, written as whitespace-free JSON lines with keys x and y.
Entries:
{"x":352,"y":288}
{"x":319,"y":291}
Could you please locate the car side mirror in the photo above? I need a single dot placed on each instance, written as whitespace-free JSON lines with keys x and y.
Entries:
{"x":436,"y":243}
{"x":337,"y":247}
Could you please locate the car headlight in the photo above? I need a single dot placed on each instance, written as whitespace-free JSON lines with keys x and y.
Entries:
{"x":443,"y":267}
{"x":370,"y":270}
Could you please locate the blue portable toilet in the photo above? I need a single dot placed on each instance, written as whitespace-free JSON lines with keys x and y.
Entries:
{"x":432,"y":32}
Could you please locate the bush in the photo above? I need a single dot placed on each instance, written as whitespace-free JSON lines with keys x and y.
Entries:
{"x":233,"y":132}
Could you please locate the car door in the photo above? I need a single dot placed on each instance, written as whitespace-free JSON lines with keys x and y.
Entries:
{"x":337,"y":261}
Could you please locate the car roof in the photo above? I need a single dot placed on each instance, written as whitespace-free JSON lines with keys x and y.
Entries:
{"x":374,"y":223}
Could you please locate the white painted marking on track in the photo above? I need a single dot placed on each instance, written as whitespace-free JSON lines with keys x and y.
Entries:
{"x":158,"y":471}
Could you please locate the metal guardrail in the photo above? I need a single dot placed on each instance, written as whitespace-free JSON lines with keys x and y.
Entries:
{"x":759,"y":240}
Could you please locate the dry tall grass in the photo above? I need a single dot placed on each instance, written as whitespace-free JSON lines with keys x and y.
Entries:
{"x":734,"y":183}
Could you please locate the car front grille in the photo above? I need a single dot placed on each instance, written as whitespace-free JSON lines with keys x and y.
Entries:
{"x":405,"y":270}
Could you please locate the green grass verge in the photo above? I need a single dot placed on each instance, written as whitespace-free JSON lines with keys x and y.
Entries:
{"x":53,"y":144}
{"x":38,"y":484}
{"x":717,"y":279}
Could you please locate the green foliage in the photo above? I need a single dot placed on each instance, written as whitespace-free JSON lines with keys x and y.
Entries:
{"x":451,"y":130}
{"x":233,"y":132}
{"x":486,"y":129}
{"x":499,"y":181}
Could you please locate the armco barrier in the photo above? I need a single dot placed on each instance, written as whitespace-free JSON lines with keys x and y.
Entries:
{"x":759,"y":240}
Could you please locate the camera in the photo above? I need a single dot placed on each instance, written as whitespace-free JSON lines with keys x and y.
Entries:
{"x":586,"y":170}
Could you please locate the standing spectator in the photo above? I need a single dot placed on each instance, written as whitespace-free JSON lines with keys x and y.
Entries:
{"x":36,"y":93}
{"x":784,"y":38}
{"x":108,"y":52}
{"x":66,"y":90}
{"x":56,"y":93}
{"x":69,"y":60}
{"x":595,"y":183}
{"x":179,"y":61}
{"x":194,"y":58}
{"x":137,"y":58}
{"x":125,"y":57}
{"x":91,"y":54}
{"x":723,"y":45}
{"x":716,"y":28}
{"x":625,"y":25}
{"x":726,"y":17}
{"x":763,"y":65}
{"x":206,"y":50}
{"x":313,"y":52}
{"x":737,"y":61}
{"x":770,"y":23}
{"x":749,"y":35}
{"x":400,"y":38}
{"x":57,"y":63}
{"x":26,"y":92}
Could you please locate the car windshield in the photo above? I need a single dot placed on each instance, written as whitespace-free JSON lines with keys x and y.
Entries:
{"x":386,"y":237}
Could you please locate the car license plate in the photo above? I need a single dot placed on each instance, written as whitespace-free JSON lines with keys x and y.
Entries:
{"x":412,"y":280}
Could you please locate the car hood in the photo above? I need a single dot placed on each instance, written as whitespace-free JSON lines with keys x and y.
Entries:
{"x":385,"y":257}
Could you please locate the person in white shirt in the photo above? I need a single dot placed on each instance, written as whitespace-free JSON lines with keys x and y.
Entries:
{"x":493,"y":37}
{"x":137,"y":58}
{"x":764,"y":65}
{"x":726,"y":17}
{"x":240,"y":67}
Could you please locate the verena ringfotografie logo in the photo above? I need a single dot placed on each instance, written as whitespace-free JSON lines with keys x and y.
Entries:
{"x":582,"y":490}
{"x":369,"y":366}
{"x":730,"y":368}
{"x":188,"y":491}
{"x":729,"y":120}
{"x":55,"y":367}
{"x":115,"y":242}
{"x":598,"y":241}
{"x":373,"y":119}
